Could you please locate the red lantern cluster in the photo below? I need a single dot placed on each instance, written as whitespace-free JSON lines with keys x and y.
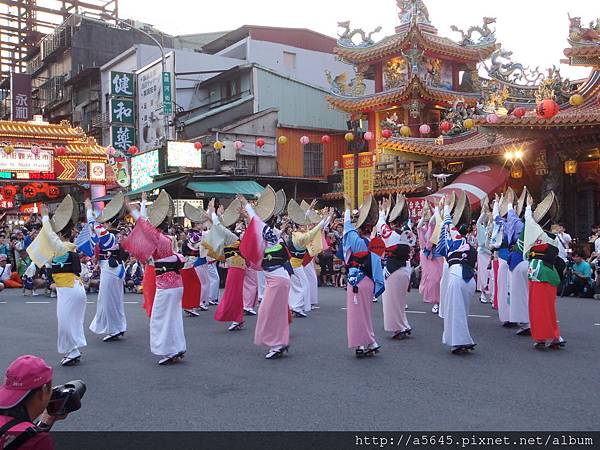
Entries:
{"x":52,"y":192}
{"x":445,"y":126}
{"x":386,"y":134}
{"x":547,"y":109}
{"x":32,"y":190}
{"x":519,"y":112}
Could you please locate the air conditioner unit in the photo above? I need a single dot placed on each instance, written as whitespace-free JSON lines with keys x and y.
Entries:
{"x":228,"y":152}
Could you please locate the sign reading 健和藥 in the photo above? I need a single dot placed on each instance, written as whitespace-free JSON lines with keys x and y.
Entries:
{"x":22,"y":160}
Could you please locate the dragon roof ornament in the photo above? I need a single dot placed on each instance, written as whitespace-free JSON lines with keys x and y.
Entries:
{"x":346,"y":37}
{"x":486,"y":34}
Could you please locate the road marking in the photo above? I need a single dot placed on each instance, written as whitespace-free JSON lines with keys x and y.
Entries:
{"x":131,"y":303}
{"x":344,"y":308}
{"x":90,"y":303}
{"x":38,"y":303}
{"x":597,"y":324}
{"x":416,"y":312}
{"x":478,"y":316}
{"x":3,"y":303}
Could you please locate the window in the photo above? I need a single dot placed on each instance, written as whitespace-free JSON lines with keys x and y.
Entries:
{"x":289,"y":60}
{"x":231,"y":88}
{"x":313,"y":160}
{"x":249,"y":163}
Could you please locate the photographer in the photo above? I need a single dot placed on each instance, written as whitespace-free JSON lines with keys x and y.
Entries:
{"x":580,"y":283}
{"x":24,"y":397}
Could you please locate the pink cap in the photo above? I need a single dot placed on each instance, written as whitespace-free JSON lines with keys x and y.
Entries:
{"x":23,"y":375}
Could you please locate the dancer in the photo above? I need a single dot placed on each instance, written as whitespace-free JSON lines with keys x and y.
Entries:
{"x":431,"y":260}
{"x":461,"y":259}
{"x":365,"y":277}
{"x":196,"y":281}
{"x":149,"y":239}
{"x":398,"y":242}
{"x":540,"y":248}
{"x":262,"y":247}
{"x":52,"y":248}
{"x":499,"y":242}
{"x":308,"y":262}
{"x":223,"y":244}
{"x":484,"y":254}
{"x":299,"y":299}
{"x":519,"y":279}
{"x":110,"y":317}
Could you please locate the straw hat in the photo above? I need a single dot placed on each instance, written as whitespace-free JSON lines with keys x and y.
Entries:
{"x":195,"y":215}
{"x":305,"y":205}
{"x":265,"y":207}
{"x":231,"y":214}
{"x":452,"y":201}
{"x":113,"y":209}
{"x":547,"y":210}
{"x":522,"y":201}
{"x":161,"y":209}
{"x":399,"y":211}
{"x":462,"y":210}
{"x":296,"y":213}
{"x":485,"y":204}
{"x":426,"y":212}
{"x":66,"y":212}
{"x":369,"y":210}
{"x":312,"y":215}
{"x":504,"y":204}
{"x":280,"y":202}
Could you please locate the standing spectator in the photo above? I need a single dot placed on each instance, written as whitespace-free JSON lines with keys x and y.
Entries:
{"x":4,"y":246}
{"x":326,"y":262}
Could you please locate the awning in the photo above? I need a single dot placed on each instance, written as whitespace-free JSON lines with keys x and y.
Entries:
{"x":149,"y":187}
{"x":248,"y":188}
{"x":477,"y":182}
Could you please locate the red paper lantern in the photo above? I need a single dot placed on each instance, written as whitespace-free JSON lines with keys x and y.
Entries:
{"x":133,"y":150}
{"x":445,"y":126}
{"x":260,"y":142}
{"x":52,"y":192}
{"x":326,"y":139}
{"x":29,"y":192}
{"x":386,"y":134}
{"x":9,"y":191}
{"x":519,"y":112}
{"x":198,"y":145}
{"x":547,"y":109}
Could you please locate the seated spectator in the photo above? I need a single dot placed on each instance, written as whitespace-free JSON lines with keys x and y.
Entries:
{"x":134,"y":274}
{"x":8,"y":278}
{"x":24,"y":397}
{"x":580,"y":283}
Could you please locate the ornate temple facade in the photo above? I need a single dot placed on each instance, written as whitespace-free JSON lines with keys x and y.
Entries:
{"x":443,"y":107}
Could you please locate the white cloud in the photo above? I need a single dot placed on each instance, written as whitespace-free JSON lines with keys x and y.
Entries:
{"x":535,"y":30}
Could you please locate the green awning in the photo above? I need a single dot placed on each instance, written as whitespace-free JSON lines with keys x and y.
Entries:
{"x":149,"y":187}
{"x":248,"y":188}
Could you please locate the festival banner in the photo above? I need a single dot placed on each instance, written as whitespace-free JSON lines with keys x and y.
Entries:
{"x":365,"y":176}
{"x":348,"y":167}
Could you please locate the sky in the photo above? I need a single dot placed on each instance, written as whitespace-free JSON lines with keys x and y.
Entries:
{"x":535,"y":30}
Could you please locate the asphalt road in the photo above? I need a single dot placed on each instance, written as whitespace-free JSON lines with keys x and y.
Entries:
{"x":226,"y":384}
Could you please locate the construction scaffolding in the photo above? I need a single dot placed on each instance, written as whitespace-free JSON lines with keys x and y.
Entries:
{"x":23,"y":23}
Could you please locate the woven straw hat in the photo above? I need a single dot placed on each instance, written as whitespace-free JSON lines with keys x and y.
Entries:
{"x":462,"y":210}
{"x":296,"y":213}
{"x":232,"y":213}
{"x":313,"y":216}
{"x":522,"y":201}
{"x":426,"y":212}
{"x":485,"y":204}
{"x":547,"y":210}
{"x":280,"y":202}
{"x":504,"y":204}
{"x":452,"y":201}
{"x":66,"y":212}
{"x":265,"y":207}
{"x":399,"y":211}
{"x":113,"y":209}
{"x":194,"y":214}
{"x":369,"y":210}
{"x":161,"y":209}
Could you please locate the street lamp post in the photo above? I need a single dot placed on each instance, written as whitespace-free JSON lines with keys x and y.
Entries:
{"x":122,"y":23}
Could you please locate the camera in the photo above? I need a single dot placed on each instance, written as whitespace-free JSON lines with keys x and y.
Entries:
{"x":66,"y":398}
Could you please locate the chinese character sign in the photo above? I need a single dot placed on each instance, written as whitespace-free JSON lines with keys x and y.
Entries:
{"x":365,"y":176}
{"x":20,"y":86}
{"x":121,"y":84}
{"x":348,"y":167}
{"x":121,"y":111}
{"x":123,"y":137}
{"x":167,"y":93}
{"x":415,"y":207}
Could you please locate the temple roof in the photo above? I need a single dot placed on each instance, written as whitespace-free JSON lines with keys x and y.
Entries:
{"x":393,"y":96}
{"x":474,"y":145}
{"x":583,"y":54}
{"x":48,"y":135}
{"x":392,"y":45}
